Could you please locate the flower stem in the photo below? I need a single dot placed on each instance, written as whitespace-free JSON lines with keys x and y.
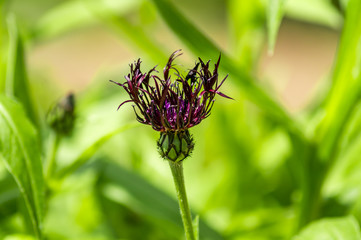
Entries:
{"x":177,"y":172}
{"x":51,"y":161}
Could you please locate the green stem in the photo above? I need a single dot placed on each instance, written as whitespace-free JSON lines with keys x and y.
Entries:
{"x":51,"y":161}
{"x":314,"y":172}
{"x":311,"y":203}
{"x":177,"y":172}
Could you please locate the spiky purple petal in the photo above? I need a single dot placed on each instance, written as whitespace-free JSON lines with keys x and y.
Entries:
{"x":172,"y":105}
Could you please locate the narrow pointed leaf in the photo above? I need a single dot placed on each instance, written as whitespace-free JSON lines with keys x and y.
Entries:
{"x":16,"y":83}
{"x":317,"y":12}
{"x":135,"y":34}
{"x":88,"y":152}
{"x":19,"y":149}
{"x":196,"y":227}
{"x":19,"y":237}
{"x":274,"y":18}
{"x":3,"y":46}
{"x":71,"y":15}
{"x":185,"y":30}
{"x":9,"y":195}
{"x":346,"y":89}
{"x":345,"y":228}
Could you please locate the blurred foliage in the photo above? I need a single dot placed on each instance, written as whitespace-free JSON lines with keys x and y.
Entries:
{"x":257,"y":171}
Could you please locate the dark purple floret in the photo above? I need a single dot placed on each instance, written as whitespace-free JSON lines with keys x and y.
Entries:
{"x":175,"y":105}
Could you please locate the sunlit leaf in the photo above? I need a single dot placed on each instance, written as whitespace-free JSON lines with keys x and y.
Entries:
{"x":196,"y":227}
{"x":345,"y":228}
{"x":344,"y":3}
{"x":345,"y":175}
{"x":19,"y":148}
{"x":135,"y":34}
{"x":3,"y":46}
{"x":88,"y":152}
{"x":346,"y":87}
{"x":274,"y":18}
{"x":246,"y":20}
{"x":71,"y":15}
{"x":185,"y":30}
{"x":16,"y":76}
{"x":19,"y":237}
{"x":314,"y":11}
{"x":9,"y":194}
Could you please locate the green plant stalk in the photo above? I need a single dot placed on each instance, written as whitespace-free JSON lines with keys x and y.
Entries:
{"x":311,"y":202}
{"x":177,"y":172}
{"x":313,"y":177}
{"x":51,"y":161}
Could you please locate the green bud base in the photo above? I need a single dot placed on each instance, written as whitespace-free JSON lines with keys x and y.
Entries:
{"x":175,"y":146}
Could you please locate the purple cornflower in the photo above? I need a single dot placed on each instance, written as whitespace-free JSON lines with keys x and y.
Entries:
{"x":172,"y":106}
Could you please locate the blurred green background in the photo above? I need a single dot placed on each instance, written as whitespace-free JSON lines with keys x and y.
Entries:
{"x":264,"y":166}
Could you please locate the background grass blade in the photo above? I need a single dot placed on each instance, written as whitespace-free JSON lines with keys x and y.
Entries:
{"x":196,"y":227}
{"x":9,"y":195}
{"x":315,"y":11}
{"x":19,"y":148}
{"x":146,"y":198}
{"x":246,"y":22}
{"x":135,"y":34}
{"x":3,"y":48}
{"x":274,"y":17}
{"x":185,"y":30}
{"x":16,"y":77}
{"x":346,"y":89}
{"x":78,"y":14}
{"x":346,"y":228}
{"x":72,"y":15}
{"x":89,"y":152}
{"x":18,"y":237}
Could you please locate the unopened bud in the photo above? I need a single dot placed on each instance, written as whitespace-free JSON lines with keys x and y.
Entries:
{"x":61,"y":116}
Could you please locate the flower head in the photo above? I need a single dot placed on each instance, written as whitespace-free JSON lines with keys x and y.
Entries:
{"x":172,"y":102}
{"x":172,"y":106}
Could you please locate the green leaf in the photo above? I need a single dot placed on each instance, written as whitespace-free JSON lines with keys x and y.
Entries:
{"x":75,"y":14}
{"x":345,"y":228}
{"x":9,"y":195}
{"x":185,"y":30}
{"x":3,"y":48}
{"x":201,"y":45}
{"x":196,"y":227}
{"x":274,"y":18}
{"x":314,"y":11}
{"x":344,"y":3}
{"x":125,"y":223}
{"x":346,"y":89}
{"x":135,"y":34}
{"x":19,"y":237}
{"x":72,"y":15}
{"x":247,"y":31}
{"x":16,"y":83}
{"x":344,"y":176}
{"x":89,"y":152}
{"x":128,"y":188}
{"x":19,"y":148}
